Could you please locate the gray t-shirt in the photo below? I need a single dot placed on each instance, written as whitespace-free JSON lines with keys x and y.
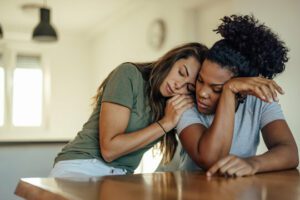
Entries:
{"x":250,"y":118}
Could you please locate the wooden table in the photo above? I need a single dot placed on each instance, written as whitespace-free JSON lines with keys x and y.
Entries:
{"x":284,"y":185}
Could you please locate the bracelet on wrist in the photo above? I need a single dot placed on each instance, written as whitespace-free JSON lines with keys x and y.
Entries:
{"x":161,"y":126}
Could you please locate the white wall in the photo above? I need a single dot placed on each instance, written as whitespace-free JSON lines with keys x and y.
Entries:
{"x":126,"y":39}
{"x":71,"y":89}
{"x":282,"y":17}
{"x":69,"y":92}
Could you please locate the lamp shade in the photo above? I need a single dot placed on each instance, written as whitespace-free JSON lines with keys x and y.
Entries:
{"x":1,"y":32}
{"x":44,"y":32}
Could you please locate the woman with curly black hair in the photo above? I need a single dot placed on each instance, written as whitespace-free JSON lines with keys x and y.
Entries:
{"x":236,"y":99}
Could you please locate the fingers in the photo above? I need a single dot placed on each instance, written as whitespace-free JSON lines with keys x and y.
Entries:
{"x":174,"y":98}
{"x":265,"y":89}
{"x":278,"y":88}
{"x":182,"y":104}
{"x":268,"y":93}
{"x":177,"y":98}
{"x":234,"y":169}
{"x":175,"y":107}
{"x":244,"y":171}
{"x":184,"y":108}
{"x":259,"y":93}
{"x":270,"y":89}
{"x":273,"y":93}
{"x":231,"y":166}
{"x":274,"y":87}
{"x":215,"y":168}
{"x":181,"y":101}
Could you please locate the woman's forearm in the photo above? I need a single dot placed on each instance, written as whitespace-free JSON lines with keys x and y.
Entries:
{"x":124,"y":143}
{"x":284,"y":156}
{"x":216,"y":141}
{"x":114,"y":119}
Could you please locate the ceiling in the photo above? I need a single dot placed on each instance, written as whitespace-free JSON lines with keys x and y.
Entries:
{"x":73,"y":16}
{"x":76,"y":16}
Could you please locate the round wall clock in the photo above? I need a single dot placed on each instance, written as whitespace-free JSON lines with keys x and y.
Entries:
{"x":156,"y":33}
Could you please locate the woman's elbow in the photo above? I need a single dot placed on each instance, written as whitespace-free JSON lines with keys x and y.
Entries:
{"x":292,"y":157}
{"x":106,"y":154}
{"x":206,"y":161}
{"x":296,"y":160}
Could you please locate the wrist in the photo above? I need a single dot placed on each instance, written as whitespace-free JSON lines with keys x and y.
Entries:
{"x":254,"y":163}
{"x":166,"y":126}
{"x":229,"y":88}
{"x":161,"y":126}
{"x":230,"y":93}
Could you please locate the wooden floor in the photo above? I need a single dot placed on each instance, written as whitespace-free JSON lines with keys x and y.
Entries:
{"x":284,"y":185}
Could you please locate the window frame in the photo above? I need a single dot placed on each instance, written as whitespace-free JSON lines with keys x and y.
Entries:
{"x":9,"y":132}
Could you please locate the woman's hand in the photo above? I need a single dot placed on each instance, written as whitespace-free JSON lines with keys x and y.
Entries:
{"x":262,"y":88}
{"x":233,"y":166}
{"x":174,"y":108}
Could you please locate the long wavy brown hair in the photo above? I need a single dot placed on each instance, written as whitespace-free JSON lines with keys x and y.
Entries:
{"x":154,"y":73}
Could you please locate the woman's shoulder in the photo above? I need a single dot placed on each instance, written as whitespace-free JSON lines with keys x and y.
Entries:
{"x":126,"y":73}
{"x":257,"y":105}
{"x":193,"y":113}
{"x":253,"y":100}
{"x":127,"y":68}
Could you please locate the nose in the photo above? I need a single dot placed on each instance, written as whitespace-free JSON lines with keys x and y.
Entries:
{"x":180,"y":84}
{"x":203,"y":93}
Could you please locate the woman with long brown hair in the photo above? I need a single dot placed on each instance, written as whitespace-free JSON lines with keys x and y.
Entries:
{"x":136,"y":106}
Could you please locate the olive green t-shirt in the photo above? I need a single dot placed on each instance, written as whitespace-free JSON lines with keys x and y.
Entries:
{"x":125,"y":87}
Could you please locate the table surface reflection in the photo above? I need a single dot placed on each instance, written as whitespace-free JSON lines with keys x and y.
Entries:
{"x":164,"y":185}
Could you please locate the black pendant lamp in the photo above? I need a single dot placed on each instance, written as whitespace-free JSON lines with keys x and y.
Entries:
{"x":1,"y":32}
{"x":44,"y":32}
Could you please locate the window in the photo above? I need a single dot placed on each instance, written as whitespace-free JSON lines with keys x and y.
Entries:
{"x":27,"y":92}
{"x":21,"y":95}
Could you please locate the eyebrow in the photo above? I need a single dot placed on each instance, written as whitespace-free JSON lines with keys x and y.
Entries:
{"x":187,"y":71}
{"x":213,"y":84}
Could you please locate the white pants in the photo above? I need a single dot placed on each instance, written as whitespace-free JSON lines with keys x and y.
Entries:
{"x":84,"y":168}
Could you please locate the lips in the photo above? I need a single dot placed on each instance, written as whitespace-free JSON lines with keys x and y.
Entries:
{"x":202,"y":105}
{"x":169,"y":89}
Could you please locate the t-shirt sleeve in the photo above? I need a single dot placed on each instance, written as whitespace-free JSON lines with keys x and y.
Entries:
{"x":270,"y":112}
{"x":189,"y":117}
{"x":120,"y":86}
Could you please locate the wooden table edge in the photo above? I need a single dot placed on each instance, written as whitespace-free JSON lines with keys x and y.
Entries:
{"x":31,"y":192}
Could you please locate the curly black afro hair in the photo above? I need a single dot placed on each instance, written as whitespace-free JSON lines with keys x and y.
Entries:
{"x":248,"y":48}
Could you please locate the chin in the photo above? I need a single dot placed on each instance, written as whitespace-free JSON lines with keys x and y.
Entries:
{"x":203,"y":111}
{"x":165,"y":95}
